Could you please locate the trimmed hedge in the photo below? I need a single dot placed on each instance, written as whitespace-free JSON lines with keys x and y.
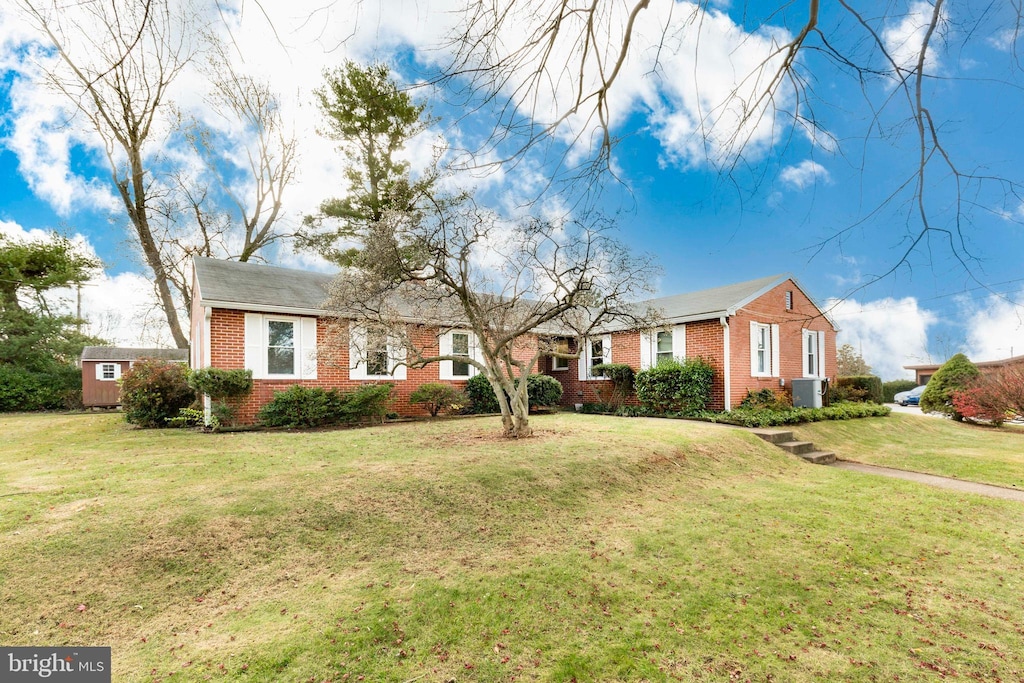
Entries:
{"x":676,"y":386}
{"x":300,"y":406}
{"x":858,"y":388}
{"x":890,"y":389}
{"x":481,"y":395}
{"x":153,"y":392}
{"x":220,"y":384}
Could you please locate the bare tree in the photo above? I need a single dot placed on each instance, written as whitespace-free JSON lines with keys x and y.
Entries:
{"x":519,"y":287}
{"x":555,"y":70}
{"x":118,"y":60}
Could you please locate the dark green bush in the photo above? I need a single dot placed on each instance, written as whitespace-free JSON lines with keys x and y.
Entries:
{"x":676,"y":386}
{"x":300,"y":406}
{"x":55,"y":388}
{"x":435,"y":397}
{"x":956,"y":374}
{"x":481,"y":395}
{"x":857,"y":388}
{"x":220,"y":384}
{"x":153,"y":392}
{"x":890,"y":389}
{"x":369,"y":401}
{"x":621,"y":377}
{"x":544,"y":391}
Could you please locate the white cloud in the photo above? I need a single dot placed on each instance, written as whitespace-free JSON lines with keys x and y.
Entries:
{"x":995,"y":328}
{"x":904,"y":38}
{"x":805,"y":173}
{"x":1004,"y":40}
{"x":889,"y":333}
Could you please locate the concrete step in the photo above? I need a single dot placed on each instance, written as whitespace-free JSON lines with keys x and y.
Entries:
{"x":773,"y":435}
{"x":796,"y":447}
{"x":819,"y":457}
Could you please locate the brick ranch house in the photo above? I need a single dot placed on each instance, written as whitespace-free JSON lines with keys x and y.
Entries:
{"x":758,"y":334}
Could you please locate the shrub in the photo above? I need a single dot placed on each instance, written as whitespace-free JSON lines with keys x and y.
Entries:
{"x":747,"y":417}
{"x":956,"y":374}
{"x":188,"y":417}
{"x":621,"y":377}
{"x":223,"y":387}
{"x":765,"y":399}
{"x":890,"y":389}
{"x":300,"y":406}
{"x":436,"y":397}
{"x":543,"y":391}
{"x":55,"y":388}
{"x":481,"y":395}
{"x":368,"y":401}
{"x":859,"y":389}
{"x":676,"y":386}
{"x":153,"y":392}
{"x":992,"y":397}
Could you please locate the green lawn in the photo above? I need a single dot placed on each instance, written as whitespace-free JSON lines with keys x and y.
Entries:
{"x":926,"y":444}
{"x":603,"y":550}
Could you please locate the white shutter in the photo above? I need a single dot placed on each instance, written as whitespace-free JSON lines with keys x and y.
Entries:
{"x":584,"y":360}
{"x":753,"y":350}
{"x":775,"y":352}
{"x":255,"y":346}
{"x":474,"y":353}
{"x":679,"y":341}
{"x":99,"y":371}
{"x":396,"y":354}
{"x":444,"y":343}
{"x":821,"y":354}
{"x":356,"y":352}
{"x":646,"y":350}
{"x":804,"y":350}
{"x":117,"y":371}
{"x":307,"y":346}
{"x":606,"y":348}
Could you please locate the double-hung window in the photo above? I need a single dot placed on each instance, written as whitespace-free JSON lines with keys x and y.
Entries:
{"x":557,"y":362}
{"x":598,"y":350}
{"x":661,"y":346}
{"x":281,"y":347}
{"x":813,"y":353}
{"x":457,"y":344}
{"x":764,"y":350}
{"x":375,"y":354}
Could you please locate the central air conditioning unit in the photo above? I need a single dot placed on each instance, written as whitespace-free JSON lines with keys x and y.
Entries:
{"x":808,"y":393}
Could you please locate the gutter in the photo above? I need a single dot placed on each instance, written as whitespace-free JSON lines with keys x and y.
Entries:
{"x":724,"y":322}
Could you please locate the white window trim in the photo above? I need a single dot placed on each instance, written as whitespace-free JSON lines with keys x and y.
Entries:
{"x":772,"y":366}
{"x":817,"y":338}
{"x":357,"y":356}
{"x":586,"y":357}
{"x":257,"y":343}
{"x":555,"y":360}
{"x":99,"y":372}
{"x":446,"y":367}
{"x":649,"y":345}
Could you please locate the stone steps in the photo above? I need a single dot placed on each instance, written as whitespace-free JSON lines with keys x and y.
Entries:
{"x":804,"y":449}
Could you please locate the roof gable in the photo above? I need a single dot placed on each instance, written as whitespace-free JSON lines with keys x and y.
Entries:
{"x":251,"y":286}
{"x":112,"y":353}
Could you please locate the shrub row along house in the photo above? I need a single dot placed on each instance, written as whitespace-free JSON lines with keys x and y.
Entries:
{"x":758,"y":334}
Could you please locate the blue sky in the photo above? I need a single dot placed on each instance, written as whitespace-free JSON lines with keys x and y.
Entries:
{"x":793,"y":202}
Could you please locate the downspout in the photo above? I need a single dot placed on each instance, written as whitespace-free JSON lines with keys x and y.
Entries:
{"x":724,"y":321}
{"x":205,"y":361}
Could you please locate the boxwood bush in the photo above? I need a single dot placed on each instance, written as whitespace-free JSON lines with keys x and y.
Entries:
{"x":542,"y":390}
{"x":300,"y":406}
{"x":676,"y":386}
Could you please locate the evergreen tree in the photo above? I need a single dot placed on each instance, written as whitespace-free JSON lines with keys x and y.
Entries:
{"x":956,"y":374}
{"x":372,"y":120}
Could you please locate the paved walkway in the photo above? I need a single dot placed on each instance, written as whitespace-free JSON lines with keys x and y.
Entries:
{"x":933,"y":480}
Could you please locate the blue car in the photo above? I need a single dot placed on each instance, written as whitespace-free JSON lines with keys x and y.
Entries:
{"x":910,"y":398}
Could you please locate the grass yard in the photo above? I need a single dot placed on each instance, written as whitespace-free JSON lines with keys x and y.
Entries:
{"x":603,"y":550}
{"x":925,"y":444}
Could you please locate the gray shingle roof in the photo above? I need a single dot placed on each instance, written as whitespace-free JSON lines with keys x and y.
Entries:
{"x":123,"y":353}
{"x":251,"y":286}
{"x":714,"y":302}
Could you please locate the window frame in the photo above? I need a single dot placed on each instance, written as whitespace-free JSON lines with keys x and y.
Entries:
{"x":587,"y":357}
{"x":812,"y":346}
{"x":101,"y":373}
{"x":446,"y":346}
{"x":256,"y":357}
{"x":267,"y":321}
{"x":559,"y":364}
{"x":768,"y":333}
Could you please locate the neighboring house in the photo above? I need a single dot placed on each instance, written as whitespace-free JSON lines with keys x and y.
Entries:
{"x":102,"y":367}
{"x":757,"y":334}
{"x":923,"y":373}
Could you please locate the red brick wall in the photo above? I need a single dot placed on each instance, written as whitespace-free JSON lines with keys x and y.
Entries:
{"x":227,"y":348}
{"x":770,"y":308}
